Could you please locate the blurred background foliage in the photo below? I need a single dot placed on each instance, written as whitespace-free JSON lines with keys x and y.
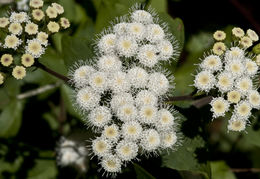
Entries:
{"x":31,"y":127}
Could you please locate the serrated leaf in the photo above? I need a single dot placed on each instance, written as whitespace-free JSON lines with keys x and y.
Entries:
{"x":219,"y":169}
{"x":141,"y":173}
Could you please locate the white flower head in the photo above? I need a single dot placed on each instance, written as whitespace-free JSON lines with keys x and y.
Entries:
{"x":121,"y":99}
{"x":19,"y":17}
{"x":132,"y":130}
{"x":111,"y":132}
{"x":127,"y":112}
{"x":166,"y":50}
{"x":126,"y":150}
{"x":111,"y":164}
{"x":244,"y":84}
{"x":236,"y":124}
{"x":137,"y":77}
{"x":150,"y":140}
{"x":34,"y":48}
{"x":252,"y":35}
{"x":235,"y":67}
{"x":15,"y":28}
{"x":165,"y":120}
{"x":225,"y":82}
{"x":99,"y":116}
{"x":155,"y":33}
{"x":109,"y":63}
{"x":243,"y":109}
{"x":81,"y":75}
{"x":119,"y":82}
{"x":254,"y":99}
{"x":168,"y":139}
{"x":142,"y":16}
{"x":158,"y":83}
{"x":99,"y":81}
{"x":212,"y":63}
{"x":121,"y":29}
{"x":204,"y":81}
{"x":136,"y":30}
{"x":126,"y":46}
{"x":107,"y":43}
{"x":233,"y":96}
{"x":234,"y":53}
{"x":251,"y":67}
{"x":13,"y":42}
{"x":148,"y":114}
{"x":87,"y":99}
{"x":101,"y":147}
{"x":147,"y":55}
{"x":68,"y":156}
{"x":219,"y":106}
{"x":146,"y":97}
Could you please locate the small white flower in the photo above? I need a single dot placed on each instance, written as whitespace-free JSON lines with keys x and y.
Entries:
{"x":225,"y":82}
{"x":212,"y":63}
{"x":168,"y":139}
{"x":82,"y":74}
{"x":109,"y":63}
{"x":99,"y":81}
{"x":234,"y":96}
{"x":252,"y":35}
{"x":219,"y":106}
{"x":234,"y":53}
{"x":145,"y":97}
{"x":101,"y":147}
{"x":127,"y":112}
{"x":100,"y":116}
{"x":137,"y":31}
{"x":111,"y":132}
{"x":119,"y":82}
{"x":107,"y":43}
{"x":165,"y":120}
{"x":236,"y":124}
{"x":254,"y":99}
{"x":137,"y":77}
{"x":142,"y":16}
{"x":111,"y":164}
{"x":87,"y":99}
{"x":204,"y":81}
{"x":148,"y":114}
{"x":244,"y":84}
{"x":251,"y":67}
{"x":126,"y":46}
{"x":154,"y":33}
{"x":235,"y":67}
{"x":158,"y":83}
{"x":19,"y":17}
{"x":150,"y":140}
{"x":147,"y":55}
{"x":165,"y":50}
{"x":121,"y":29}
{"x":121,"y":99}
{"x":243,"y":109}
{"x":15,"y":28}
{"x":68,"y":156}
{"x":11,"y":41}
{"x":126,"y":150}
{"x":132,"y":130}
{"x":34,"y":48}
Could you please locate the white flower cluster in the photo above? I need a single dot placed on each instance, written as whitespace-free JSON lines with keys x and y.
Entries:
{"x":231,"y":76}
{"x":70,"y":153}
{"x":123,"y":90}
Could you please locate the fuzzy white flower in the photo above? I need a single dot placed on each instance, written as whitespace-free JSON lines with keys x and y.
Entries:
{"x":147,"y":55}
{"x":82,"y":74}
{"x":101,"y":147}
{"x":126,"y":150}
{"x":155,"y":33}
{"x":121,"y":99}
{"x":126,"y":46}
{"x":34,"y":48}
{"x":100,"y":116}
{"x":212,"y":63}
{"x":43,"y":38}
{"x":236,"y":124}
{"x":234,"y":96}
{"x":109,"y":63}
{"x":148,"y":114}
{"x":127,"y":112}
{"x":235,"y":67}
{"x":145,"y":97}
{"x":119,"y":82}
{"x":11,"y":41}
{"x":98,"y":81}
{"x":15,"y":28}
{"x":165,"y":50}
{"x":111,"y":132}
{"x":137,"y":77}
{"x":251,"y":67}
{"x":225,"y":82}
{"x":252,"y":35}
{"x":111,"y":164}
{"x":234,"y":53}
{"x":150,"y":140}
{"x":142,"y":16}
{"x":244,"y":84}
{"x":158,"y":83}
{"x":121,"y":29}
{"x":204,"y":81}
{"x":31,"y":28}
{"x":254,"y":99}
{"x":87,"y":99}
{"x":136,"y":30}
{"x":246,"y":42}
{"x":132,"y":130}
{"x":243,"y":109}
{"x":165,"y":120}
{"x":107,"y":43}
{"x":238,"y":32}
{"x":19,"y":17}
{"x":68,"y":156}
{"x":168,"y":139}
{"x":58,"y":8}
{"x":219,"y":106}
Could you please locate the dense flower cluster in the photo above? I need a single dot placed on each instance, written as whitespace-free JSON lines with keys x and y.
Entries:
{"x":26,"y":36}
{"x":121,"y":91}
{"x":230,"y":73}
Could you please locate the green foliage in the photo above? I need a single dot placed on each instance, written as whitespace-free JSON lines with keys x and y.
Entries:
{"x":220,"y":169}
{"x":43,"y":169}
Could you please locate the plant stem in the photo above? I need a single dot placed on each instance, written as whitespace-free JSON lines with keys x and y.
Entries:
{"x":240,"y":170}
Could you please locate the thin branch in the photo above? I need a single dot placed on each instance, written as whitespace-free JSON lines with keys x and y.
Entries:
{"x":240,"y":170}
{"x":37,"y":91}
{"x":202,"y":102}
{"x":180,"y":98}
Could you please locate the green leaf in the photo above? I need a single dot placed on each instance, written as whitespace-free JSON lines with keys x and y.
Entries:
{"x":43,"y":169}
{"x":159,"y":5}
{"x":219,"y":169}
{"x":10,"y":167}
{"x":74,"y":49}
{"x":252,"y":136}
{"x":141,"y":173}
{"x":11,"y":118}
